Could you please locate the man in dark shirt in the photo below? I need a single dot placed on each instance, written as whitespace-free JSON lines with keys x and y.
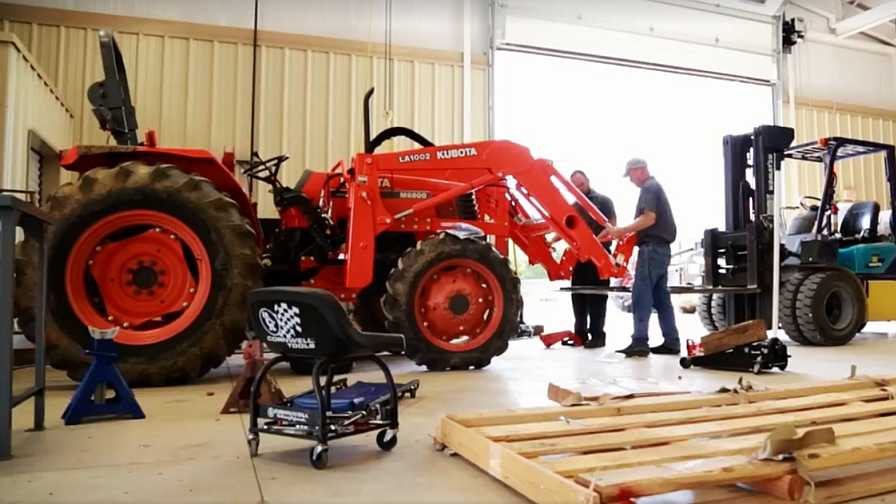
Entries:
{"x":656,"y":230}
{"x":590,"y":310}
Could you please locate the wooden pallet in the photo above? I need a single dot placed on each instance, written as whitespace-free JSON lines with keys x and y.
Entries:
{"x":705,"y":443}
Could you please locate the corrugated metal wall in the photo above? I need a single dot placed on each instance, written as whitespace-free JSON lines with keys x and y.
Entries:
{"x":28,"y":103}
{"x":864,"y":178}
{"x":196,"y":93}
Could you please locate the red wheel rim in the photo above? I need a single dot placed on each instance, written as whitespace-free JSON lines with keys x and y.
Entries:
{"x":141,"y":270}
{"x":458,"y":304}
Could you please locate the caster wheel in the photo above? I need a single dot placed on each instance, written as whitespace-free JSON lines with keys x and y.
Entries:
{"x":386,"y":439}
{"x":253,"y":445}
{"x":685,"y":362}
{"x":757,"y":368}
{"x":319,"y":456}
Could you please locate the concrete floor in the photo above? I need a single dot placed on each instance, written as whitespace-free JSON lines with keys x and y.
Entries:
{"x":185,"y":451}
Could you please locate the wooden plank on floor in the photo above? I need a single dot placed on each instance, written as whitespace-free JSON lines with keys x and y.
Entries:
{"x":524,"y":476}
{"x":541,"y":430}
{"x":730,"y":337}
{"x":667,"y":434}
{"x":658,"y":404}
{"x":850,"y":453}
{"x":855,"y":487}
{"x":698,"y":448}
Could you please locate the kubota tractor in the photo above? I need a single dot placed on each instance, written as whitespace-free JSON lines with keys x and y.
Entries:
{"x":165,"y":244}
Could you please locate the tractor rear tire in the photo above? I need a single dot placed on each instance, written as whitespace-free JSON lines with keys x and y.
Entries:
{"x":444,"y":284}
{"x":190,"y":341}
{"x":831,"y":307}
{"x":720,"y":311}
{"x":790,"y":293}
{"x":704,"y":311}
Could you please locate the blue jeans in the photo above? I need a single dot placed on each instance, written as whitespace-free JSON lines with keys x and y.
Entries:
{"x":649,"y":291}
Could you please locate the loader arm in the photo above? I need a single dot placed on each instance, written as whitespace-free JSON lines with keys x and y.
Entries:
{"x":537,"y":206}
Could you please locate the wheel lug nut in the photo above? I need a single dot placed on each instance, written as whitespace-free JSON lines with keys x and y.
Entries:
{"x":90,"y":262}
{"x":110,"y":318}
{"x":185,"y":304}
{"x":172,"y":237}
{"x":192,"y":290}
{"x":98,"y":248}
{"x":126,"y":325}
{"x":158,"y":230}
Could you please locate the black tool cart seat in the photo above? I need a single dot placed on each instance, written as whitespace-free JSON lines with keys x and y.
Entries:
{"x":306,"y":323}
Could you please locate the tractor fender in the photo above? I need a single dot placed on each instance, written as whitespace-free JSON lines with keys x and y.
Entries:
{"x":199,"y":162}
{"x":463,"y":230}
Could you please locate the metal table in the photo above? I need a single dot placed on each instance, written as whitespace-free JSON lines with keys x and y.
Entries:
{"x":34,"y":222}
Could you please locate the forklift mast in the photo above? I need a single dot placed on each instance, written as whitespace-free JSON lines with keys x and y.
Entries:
{"x":733,"y":257}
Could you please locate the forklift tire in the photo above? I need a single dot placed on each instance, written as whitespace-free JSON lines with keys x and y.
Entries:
{"x":720,"y":311}
{"x":790,"y":293}
{"x":704,"y":311}
{"x":443,"y":284}
{"x":831,"y":307}
{"x":122,"y":206}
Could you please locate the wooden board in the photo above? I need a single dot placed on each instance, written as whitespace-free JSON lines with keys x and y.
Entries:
{"x":701,"y":443}
{"x":730,"y":337}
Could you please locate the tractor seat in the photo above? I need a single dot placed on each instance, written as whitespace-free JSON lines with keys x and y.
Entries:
{"x":860,"y":221}
{"x":311,"y":323}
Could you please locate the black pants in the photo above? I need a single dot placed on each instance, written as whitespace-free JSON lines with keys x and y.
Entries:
{"x":590,"y":310}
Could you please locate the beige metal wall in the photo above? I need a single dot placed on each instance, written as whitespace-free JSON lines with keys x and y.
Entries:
{"x":196,"y":90}
{"x":863,"y":178}
{"x":28,"y":103}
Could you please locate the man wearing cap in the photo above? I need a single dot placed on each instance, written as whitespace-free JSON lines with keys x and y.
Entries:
{"x":656,"y":230}
{"x":590,"y":310}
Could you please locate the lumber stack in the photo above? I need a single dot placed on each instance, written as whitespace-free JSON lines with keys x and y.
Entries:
{"x":705,"y":445}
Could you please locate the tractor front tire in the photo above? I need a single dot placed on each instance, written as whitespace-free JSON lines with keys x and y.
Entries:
{"x":193,"y":253}
{"x":831,"y":307}
{"x":790,"y":294}
{"x":456,"y":300}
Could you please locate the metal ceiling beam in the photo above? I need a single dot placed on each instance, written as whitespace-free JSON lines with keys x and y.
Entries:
{"x":865,"y":20}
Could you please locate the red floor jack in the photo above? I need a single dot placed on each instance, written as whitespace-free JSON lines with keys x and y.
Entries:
{"x":566,"y":338}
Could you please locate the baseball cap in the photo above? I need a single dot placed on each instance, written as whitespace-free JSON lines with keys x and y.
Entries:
{"x":632,"y":164}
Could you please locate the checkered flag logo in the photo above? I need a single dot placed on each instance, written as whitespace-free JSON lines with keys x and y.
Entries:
{"x":288,"y":319}
{"x":282,"y":321}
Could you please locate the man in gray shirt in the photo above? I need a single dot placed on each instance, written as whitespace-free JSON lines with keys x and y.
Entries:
{"x":656,"y":230}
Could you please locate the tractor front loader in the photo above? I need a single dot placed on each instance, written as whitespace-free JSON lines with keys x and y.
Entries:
{"x":165,"y":244}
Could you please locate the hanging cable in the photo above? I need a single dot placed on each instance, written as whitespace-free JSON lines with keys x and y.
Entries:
{"x":252,"y":153}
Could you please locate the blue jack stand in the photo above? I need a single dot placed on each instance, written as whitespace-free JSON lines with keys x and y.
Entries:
{"x":89,"y":401}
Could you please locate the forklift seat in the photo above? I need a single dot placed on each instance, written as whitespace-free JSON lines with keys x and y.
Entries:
{"x":860,"y":221}
{"x":311,"y":323}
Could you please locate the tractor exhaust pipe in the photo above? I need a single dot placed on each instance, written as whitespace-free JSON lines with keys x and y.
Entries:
{"x":367,"y":97}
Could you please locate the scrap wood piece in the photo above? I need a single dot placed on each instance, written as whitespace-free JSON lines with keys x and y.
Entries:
{"x":736,"y":335}
{"x":603,"y":392}
{"x":850,"y":456}
{"x":656,"y":435}
{"x":784,"y":441}
{"x":662,"y":403}
{"x":699,"y":448}
{"x":567,"y":427}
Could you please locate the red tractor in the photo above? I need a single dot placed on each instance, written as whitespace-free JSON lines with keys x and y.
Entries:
{"x":165,"y":244}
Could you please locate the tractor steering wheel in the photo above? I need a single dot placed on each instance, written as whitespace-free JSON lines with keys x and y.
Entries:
{"x":806,"y":203}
